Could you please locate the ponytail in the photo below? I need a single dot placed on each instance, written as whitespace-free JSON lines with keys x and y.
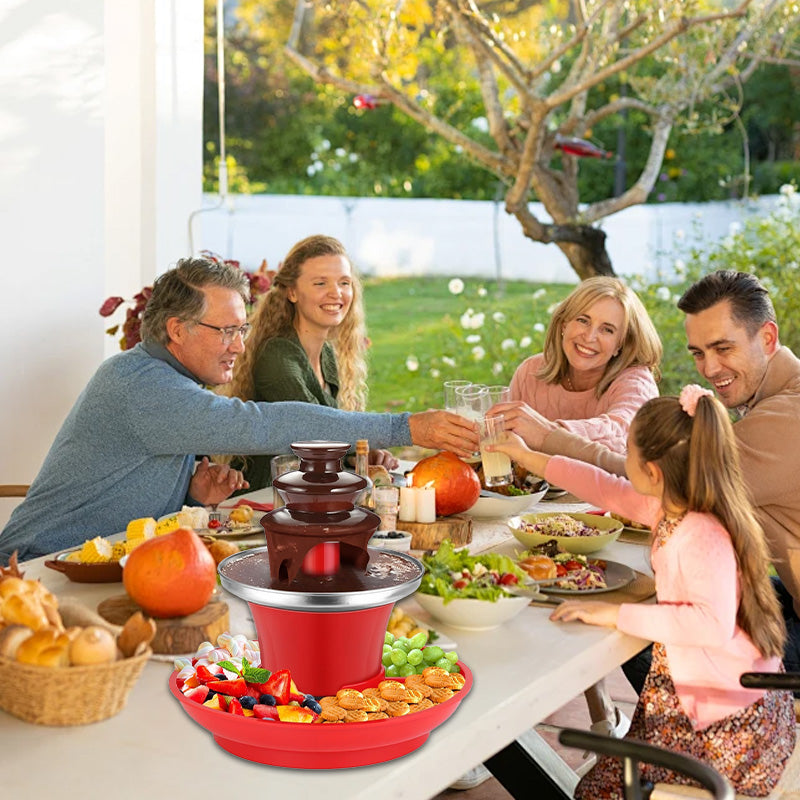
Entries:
{"x":697,"y":453}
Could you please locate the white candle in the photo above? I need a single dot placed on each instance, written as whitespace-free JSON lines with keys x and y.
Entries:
{"x":426,"y":504}
{"x":408,"y":504}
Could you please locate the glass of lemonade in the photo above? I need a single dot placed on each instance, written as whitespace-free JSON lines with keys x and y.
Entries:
{"x":450,"y":397}
{"x":473,"y":403}
{"x":496,"y":466}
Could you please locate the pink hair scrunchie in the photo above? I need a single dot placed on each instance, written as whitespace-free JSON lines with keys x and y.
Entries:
{"x":689,"y":396}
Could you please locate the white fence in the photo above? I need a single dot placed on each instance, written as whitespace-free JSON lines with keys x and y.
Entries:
{"x":394,"y":237}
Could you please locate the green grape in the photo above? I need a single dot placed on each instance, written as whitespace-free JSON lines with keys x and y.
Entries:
{"x":391,"y":671}
{"x":451,"y":656}
{"x":455,"y":668}
{"x":403,"y":643}
{"x":432,"y":653}
{"x":415,"y":657}
{"x":419,"y":640}
{"x":387,"y":648}
{"x":386,"y":658}
{"x":405,"y":670}
{"x":398,"y":657}
{"x":444,"y":663}
{"x":388,"y":638}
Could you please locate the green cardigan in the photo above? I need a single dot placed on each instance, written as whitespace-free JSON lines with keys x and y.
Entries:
{"x":283,"y":372}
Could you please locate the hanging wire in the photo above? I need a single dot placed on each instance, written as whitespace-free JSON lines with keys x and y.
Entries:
{"x":222,"y":166}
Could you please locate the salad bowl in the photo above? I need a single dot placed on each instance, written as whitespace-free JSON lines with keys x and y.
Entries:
{"x":535,"y":529}
{"x":470,"y":614}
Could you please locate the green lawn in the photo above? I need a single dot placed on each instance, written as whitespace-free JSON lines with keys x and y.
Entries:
{"x":420,"y":318}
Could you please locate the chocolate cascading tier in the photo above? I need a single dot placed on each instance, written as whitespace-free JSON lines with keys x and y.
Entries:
{"x":318,"y":531}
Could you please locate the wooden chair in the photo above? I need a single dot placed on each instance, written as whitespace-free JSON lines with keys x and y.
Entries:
{"x":14,"y":489}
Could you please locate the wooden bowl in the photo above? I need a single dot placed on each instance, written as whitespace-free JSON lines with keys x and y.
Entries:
{"x":104,"y":572}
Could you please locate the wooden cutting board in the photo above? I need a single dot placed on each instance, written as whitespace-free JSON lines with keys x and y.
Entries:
{"x":429,"y":535}
{"x":176,"y":636}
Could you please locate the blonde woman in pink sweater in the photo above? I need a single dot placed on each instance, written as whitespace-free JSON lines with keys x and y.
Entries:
{"x":717,"y":615}
{"x":599,"y":364}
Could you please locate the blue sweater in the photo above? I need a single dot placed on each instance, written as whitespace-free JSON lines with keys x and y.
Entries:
{"x":127,"y":448}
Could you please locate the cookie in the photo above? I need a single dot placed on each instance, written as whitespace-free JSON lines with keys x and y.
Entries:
{"x":393,"y":691}
{"x":436,"y":677}
{"x":332,"y":713}
{"x":350,"y":699}
{"x":377,"y":715}
{"x":398,"y":709}
{"x":356,"y":715}
{"x":421,"y":706}
{"x":440,"y":695}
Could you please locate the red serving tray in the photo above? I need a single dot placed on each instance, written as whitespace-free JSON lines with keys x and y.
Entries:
{"x":315,"y":746}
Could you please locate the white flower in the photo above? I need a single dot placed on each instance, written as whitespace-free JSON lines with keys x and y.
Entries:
{"x":473,"y":338}
{"x":663,"y":293}
{"x":482,"y":291}
{"x":340,"y":152}
{"x":680,"y":234}
{"x":435,"y":373}
{"x":508,"y":344}
{"x":466,"y":318}
{"x":734,"y":228}
{"x":481,"y":123}
{"x":679,"y":266}
{"x":787,"y":190}
{"x":450,"y":362}
{"x":539,"y":328}
{"x":526,"y":341}
{"x":499,"y":317}
{"x":456,"y":286}
{"x":539,"y":293}
{"x":412,"y":364}
{"x":551,"y":308}
{"x":497,"y":368}
{"x":478,"y":353}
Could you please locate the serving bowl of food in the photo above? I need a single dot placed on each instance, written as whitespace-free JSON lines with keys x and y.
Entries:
{"x":574,"y":533}
{"x":506,"y":501}
{"x":470,"y":592}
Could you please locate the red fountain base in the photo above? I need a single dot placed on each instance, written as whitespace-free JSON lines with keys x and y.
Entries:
{"x":325,"y":651}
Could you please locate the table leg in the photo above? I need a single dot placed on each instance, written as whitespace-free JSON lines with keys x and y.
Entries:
{"x":601,"y":706}
{"x":528,"y":767}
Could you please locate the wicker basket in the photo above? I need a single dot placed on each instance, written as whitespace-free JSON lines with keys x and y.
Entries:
{"x":67,"y":695}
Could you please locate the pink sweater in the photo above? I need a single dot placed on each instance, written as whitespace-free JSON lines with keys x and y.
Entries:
{"x":604,"y":420}
{"x":698,"y":590}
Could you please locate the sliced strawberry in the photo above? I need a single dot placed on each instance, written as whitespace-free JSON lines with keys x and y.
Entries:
{"x":204,"y":674}
{"x":265,"y":712}
{"x":234,"y":688}
{"x":279,"y":686}
{"x":235,"y":707}
{"x":197,"y":693}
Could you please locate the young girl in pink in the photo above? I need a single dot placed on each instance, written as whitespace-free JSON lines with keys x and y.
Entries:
{"x":717,"y":615}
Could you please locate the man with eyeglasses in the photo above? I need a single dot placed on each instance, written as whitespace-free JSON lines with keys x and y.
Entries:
{"x":128,"y":446}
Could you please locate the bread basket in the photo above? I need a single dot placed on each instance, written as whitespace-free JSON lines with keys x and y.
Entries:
{"x":68,"y":695}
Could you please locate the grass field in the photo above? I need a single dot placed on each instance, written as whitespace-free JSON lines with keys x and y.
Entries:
{"x":419,"y":318}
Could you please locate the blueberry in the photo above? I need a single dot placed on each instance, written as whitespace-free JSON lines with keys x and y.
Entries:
{"x":221,"y":676}
{"x":380,"y":535}
{"x":395,"y":535}
{"x":247,"y":702}
{"x":311,"y":704}
{"x":267,"y":700}
{"x":210,"y":694}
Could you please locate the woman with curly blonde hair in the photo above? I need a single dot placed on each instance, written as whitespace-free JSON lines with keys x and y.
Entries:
{"x":308,"y":340}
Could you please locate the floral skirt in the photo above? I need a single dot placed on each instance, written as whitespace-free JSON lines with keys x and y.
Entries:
{"x":750,"y":748}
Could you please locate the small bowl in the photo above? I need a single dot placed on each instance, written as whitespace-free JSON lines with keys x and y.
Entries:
{"x":470,"y":614}
{"x":381,"y":540}
{"x":494,"y":507}
{"x":104,"y":572}
{"x":609,"y":529}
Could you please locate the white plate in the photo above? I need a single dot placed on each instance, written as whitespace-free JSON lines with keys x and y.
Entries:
{"x":617,"y":576}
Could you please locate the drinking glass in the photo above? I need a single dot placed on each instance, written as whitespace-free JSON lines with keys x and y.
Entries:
{"x":472,"y":401}
{"x":499,"y":394}
{"x":280,"y":465}
{"x":450,"y":399}
{"x":496,"y":466}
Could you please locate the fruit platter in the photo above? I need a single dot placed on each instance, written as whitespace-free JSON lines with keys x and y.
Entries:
{"x":263,"y":716}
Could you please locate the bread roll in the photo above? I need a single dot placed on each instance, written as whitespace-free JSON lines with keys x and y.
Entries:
{"x":24,"y":609}
{"x":49,"y":648}
{"x":540,"y":568}
{"x":11,"y":637}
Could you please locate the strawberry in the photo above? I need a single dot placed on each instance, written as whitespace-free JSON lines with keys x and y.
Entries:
{"x":235,"y":688}
{"x":204,"y":674}
{"x":279,"y":686}
{"x":235,"y":707}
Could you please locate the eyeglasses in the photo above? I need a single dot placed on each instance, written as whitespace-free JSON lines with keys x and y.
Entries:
{"x":228,"y":334}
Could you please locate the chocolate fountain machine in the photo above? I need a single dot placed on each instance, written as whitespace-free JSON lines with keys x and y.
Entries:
{"x":319,"y":596}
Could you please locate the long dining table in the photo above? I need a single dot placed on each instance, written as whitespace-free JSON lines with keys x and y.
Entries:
{"x":523,"y":671}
